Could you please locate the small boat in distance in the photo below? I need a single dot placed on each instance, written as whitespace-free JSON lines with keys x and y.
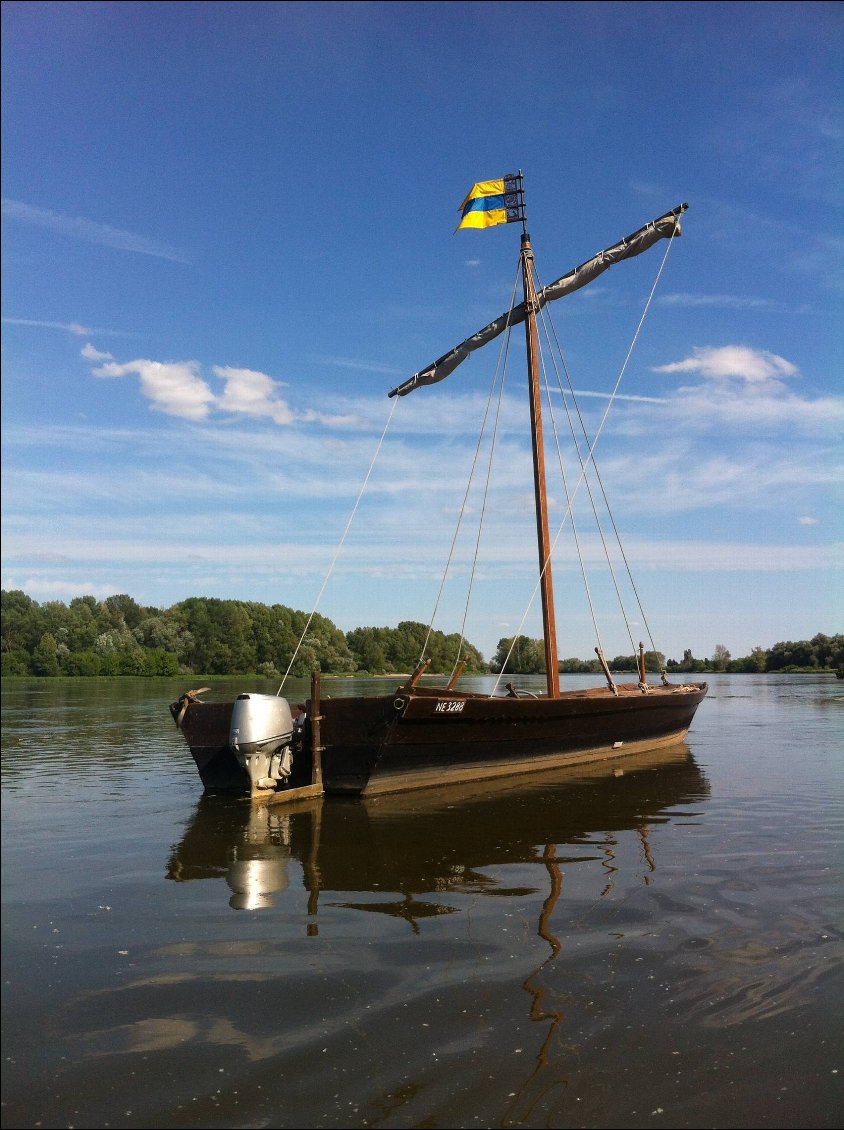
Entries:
{"x":420,"y":735}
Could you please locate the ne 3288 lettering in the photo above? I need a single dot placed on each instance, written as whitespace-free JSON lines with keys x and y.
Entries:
{"x":449,"y":706}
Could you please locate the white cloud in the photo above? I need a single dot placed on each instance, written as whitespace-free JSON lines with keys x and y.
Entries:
{"x":177,"y":389}
{"x":251,"y":393}
{"x":91,"y":354}
{"x":727,"y":361}
{"x":173,"y":387}
{"x":806,"y":520}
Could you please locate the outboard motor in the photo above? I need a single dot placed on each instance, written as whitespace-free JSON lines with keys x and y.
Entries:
{"x":260,"y":736}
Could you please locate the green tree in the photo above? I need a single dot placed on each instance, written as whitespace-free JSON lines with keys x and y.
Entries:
{"x":21,"y":622}
{"x":15,"y":662}
{"x":83,"y":627}
{"x":45,"y":656}
{"x":527,"y":656}
{"x":367,"y":650}
{"x":121,"y":610}
{"x":83,"y":663}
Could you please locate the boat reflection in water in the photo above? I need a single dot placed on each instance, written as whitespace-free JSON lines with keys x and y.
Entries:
{"x":423,"y":855}
{"x":430,"y":842}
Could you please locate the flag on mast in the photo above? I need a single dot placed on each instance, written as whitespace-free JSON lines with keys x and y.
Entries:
{"x":491,"y":202}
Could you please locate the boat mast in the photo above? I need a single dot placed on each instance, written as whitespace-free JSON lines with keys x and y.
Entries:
{"x":549,"y":632}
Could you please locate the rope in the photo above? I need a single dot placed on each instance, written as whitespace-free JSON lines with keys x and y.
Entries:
{"x":588,"y":489}
{"x":502,"y":353}
{"x":565,"y":483}
{"x":340,"y":546}
{"x":590,"y":457}
{"x":483,"y":505}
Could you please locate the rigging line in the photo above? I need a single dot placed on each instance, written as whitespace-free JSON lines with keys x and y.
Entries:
{"x":598,"y":525}
{"x":590,"y":456}
{"x":485,"y":498}
{"x":565,"y":481}
{"x":339,"y":547}
{"x":586,"y":482}
{"x":568,"y":499}
{"x":501,"y":352}
{"x":595,"y":465}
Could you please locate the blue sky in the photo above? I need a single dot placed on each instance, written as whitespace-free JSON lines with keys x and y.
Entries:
{"x":228,"y":232}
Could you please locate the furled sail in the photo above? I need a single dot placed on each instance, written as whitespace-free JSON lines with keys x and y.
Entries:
{"x":662,"y":228}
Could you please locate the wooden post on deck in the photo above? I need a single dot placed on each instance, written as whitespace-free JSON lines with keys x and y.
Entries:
{"x":643,"y":678}
{"x":316,"y":736}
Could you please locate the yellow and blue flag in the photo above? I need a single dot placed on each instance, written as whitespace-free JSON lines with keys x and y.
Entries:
{"x":492,"y":202}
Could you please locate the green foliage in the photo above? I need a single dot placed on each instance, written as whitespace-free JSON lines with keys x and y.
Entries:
{"x":526,"y":656}
{"x":574,"y":666}
{"x":204,"y":635}
{"x":819,"y":652}
{"x":383,"y":650}
{"x":654,"y":662}
{"x":45,"y":659}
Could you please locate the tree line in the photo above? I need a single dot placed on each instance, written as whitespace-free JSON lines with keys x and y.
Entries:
{"x":204,"y":635}
{"x":208,"y":636}
{"x":821,"y":653}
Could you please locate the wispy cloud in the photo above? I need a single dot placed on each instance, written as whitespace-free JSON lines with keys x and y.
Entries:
{"x":806,"y":520}
{"x":751,"y":408}
{"x":727,"y":301}
{"x":618,"y":396}
{"x":354,"y":363}
{"x":750,"y":478}
{"x":69,"y":327}
{"x":43,"y":588}
{"x":515,"y":555}
{"x":91,"y":231}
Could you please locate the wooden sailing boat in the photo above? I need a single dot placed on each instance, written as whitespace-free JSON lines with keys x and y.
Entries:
{"x":420,"y":735}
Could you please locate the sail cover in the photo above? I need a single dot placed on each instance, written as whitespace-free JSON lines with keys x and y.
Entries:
{"x":662,"y":228}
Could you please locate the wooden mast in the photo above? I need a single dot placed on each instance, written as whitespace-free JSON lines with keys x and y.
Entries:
{"x":549,"y":632}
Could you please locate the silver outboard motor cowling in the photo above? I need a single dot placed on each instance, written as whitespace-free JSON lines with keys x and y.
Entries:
{"x":260,"y":736}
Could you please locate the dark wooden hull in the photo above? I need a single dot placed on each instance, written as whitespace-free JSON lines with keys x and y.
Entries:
{"x":428,"y":737}
{"x":421,"y":737}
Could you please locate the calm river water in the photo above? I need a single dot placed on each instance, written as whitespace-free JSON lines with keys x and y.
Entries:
{"x":655,"y":947}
